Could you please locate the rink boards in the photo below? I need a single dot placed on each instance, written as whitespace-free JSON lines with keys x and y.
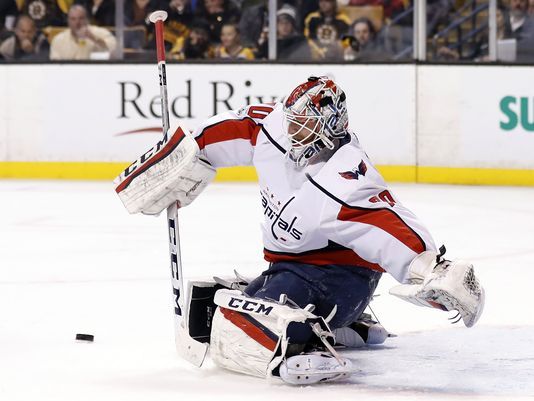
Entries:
{"x":447,"y":124}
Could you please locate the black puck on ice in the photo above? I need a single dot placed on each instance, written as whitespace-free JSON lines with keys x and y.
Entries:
{"x":85,"y":337}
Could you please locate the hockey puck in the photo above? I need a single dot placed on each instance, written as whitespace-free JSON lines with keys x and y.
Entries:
{"x":85,"y":337}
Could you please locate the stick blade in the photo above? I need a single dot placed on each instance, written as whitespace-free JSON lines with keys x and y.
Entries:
{"x":191,"y":350}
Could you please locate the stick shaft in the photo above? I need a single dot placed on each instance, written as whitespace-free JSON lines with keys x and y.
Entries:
{"x":176,"y":267}
{"x":162,"y":69}
{"x":172,"y":211}
{"x":187,"y":347}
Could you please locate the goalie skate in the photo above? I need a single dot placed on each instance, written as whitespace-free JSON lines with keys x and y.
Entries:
{"x":364,"y":331}
{"x":313,"y":368}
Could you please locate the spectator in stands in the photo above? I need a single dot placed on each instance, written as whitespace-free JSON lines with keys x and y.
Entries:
{"x":47,"y":12}
{"x":218,"y":13}
{"x":520,"y":26}
{"x":478,"y":50}
{"x":179,"y":20}
{"x":304,"y":7}
{"x":391,"y":8}
{"x":365,"y":34}
{"x":8,"y":14}
{"x":101,"y":12}
{"x":254,"y":25}
{"x":531,"y":8}
{"x":196,"y":45}
{"x":181,"y":11}
{"x":324,"y":29}
{"x":231,"y":47}
{"x":254,"y":22}
{"x":26,"y":44}
{"x":80,"y":40}
{"x":290,"y":44}
{"x":136,"y":12}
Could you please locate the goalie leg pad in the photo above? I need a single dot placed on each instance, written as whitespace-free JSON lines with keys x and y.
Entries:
{"x":201,"y":308}
{"x":243,"y":344}
{"x":249,"y":335}
{"x":169,"y":172}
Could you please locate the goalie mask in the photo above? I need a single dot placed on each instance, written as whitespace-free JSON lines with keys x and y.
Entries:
{"x":315,"y":118}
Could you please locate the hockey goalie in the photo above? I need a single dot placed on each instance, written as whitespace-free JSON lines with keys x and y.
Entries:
{"x":332,"y":228}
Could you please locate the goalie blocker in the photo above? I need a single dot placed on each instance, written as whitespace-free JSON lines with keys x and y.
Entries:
{"x":169,"y":172}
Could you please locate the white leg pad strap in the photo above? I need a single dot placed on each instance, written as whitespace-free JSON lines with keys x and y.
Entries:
{"x":169,"y":172}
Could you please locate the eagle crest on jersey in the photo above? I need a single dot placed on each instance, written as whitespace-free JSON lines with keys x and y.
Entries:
{"x":355,"y":173}
{"x":318,"y":109}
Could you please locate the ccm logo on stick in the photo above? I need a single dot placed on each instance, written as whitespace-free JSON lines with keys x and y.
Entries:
{"x":249,"y":306}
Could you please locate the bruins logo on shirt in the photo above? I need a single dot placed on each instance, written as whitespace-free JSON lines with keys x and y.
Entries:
{"x":326,"y":34}
{"x":37,"y":10}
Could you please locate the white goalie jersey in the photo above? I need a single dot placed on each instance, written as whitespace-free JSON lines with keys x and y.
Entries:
{"x":337,"y":211}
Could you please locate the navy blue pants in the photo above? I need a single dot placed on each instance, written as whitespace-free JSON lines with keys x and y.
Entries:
{"x":349,"y":288}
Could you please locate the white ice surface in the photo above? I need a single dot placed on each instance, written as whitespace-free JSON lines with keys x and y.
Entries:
{"x":73,"y":261}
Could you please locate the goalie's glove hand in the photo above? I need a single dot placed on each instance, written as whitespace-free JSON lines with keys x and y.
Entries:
{"x":447,"y":285}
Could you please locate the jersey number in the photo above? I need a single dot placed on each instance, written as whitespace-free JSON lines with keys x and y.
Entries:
{"x":384,"y":196}
{"x":259,"y":112}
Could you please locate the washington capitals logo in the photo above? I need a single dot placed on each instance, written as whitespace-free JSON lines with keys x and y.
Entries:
{"x":355,"y":173}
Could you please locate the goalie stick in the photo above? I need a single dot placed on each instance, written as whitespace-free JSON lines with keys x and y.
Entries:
{"x":188,"y":348}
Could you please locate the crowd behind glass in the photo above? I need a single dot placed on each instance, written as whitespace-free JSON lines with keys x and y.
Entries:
{"x":306,"y":30}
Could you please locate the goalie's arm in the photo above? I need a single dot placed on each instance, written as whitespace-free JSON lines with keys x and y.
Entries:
{"x":362,"y":214}
{"x":228,"y":139}
{"x":179,"y":167}
{"x":387,"y":236}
